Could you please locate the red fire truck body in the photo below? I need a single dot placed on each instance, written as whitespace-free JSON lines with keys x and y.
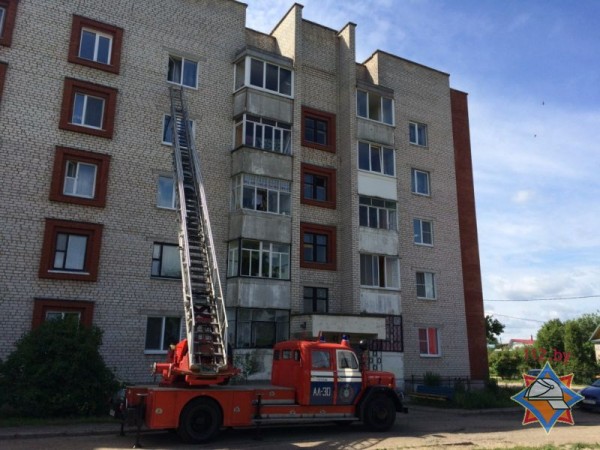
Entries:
{"x":311,"y":381}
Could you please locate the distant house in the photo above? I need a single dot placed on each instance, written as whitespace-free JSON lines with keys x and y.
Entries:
{"x":596,"y":340}
{"x":520,"y":343}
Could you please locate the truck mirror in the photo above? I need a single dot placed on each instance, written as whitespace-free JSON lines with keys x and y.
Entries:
{"x":363,"y":344}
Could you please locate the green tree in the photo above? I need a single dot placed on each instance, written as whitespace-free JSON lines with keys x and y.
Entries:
{"x":551,"y":336}
{"x":56,"y":370}
{"x":582,"y":359}
{"x":493,"y":329}
{"x":505,"y":363}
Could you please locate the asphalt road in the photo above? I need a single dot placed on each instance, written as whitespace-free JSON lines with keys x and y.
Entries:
{"x":421,"y":428}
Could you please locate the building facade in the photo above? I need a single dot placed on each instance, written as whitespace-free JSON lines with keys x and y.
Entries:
{"x":340,"y":193}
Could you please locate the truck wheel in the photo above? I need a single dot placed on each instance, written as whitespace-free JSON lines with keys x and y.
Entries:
{"x":200,"y":421}
{"x":380,"y":413}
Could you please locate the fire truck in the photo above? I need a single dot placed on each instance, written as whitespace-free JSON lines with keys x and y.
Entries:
{"x":311,"y":381}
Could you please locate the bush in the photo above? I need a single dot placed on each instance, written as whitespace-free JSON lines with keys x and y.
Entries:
{"x":432,"y":379}
{"x":56,"y":370}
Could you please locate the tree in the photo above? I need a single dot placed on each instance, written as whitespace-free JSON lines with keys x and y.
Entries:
{"x":505,"y":363}
{"x":582,"y":359}
{"x":551,"y":336}
{"x":57,"y":370}
{"x":493,"y":329}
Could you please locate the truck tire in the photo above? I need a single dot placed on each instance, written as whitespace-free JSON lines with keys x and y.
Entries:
{"x":380,"y":413}
{"x":200,"y":421}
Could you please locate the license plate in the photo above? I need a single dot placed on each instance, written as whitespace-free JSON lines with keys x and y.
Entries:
{"x":589,"y":401}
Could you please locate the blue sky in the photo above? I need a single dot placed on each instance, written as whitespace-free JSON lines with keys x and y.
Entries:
{"x":532,"y":71}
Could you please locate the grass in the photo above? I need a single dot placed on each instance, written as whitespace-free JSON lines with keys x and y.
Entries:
{"x":494,"y":397}
{"x":16,"y":421}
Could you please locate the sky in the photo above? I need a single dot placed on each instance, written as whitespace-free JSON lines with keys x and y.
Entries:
{"x":532,"y":72}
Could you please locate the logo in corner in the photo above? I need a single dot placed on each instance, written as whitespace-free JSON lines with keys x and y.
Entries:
{"x":547,"y":398}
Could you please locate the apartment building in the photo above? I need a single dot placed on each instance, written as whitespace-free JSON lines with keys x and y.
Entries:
{"x":340,"y":193}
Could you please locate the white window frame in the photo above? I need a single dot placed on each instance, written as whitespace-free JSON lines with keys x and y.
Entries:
{"x":77,"y":178}
{"x":426,"y":341}
{"x":382,"y":151}
{"x":85,"y":110}
{"x":271,"y":186}
{"x":247,"y":69}
{"x":158,"y":190}
{"x":388,"y":208}
{"x":97,"y":35}
{"x":182,"y":76}
{"x":414,"y":182}
{"x":264,"y":124}
{"x":162,"y":333}
{"x":413,"y":128}
{"x":63,"y":315}
{"x":418,"y":232}
{"x":381,"y":107}
{"x":429,"y":285}
{"x":164,"y":128}
{"x":391,"y":265}
{"x":271,"y":250}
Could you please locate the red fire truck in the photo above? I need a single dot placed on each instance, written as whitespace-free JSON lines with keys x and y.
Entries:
{"x":311,"y":381}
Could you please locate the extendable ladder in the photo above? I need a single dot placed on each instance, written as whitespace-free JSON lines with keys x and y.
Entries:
{"x":204,"y":307}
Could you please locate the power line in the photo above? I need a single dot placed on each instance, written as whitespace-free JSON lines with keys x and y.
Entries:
{"x":518,"y":318}
{"x":550,"y":299}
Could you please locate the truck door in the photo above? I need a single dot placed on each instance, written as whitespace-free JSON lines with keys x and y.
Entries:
{"x":321,"y":377}
{"x":348,"y":381}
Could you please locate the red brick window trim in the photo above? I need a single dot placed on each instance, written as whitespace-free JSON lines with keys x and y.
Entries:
{"x":73,"y":170}
{"x":317,"y":242}
{"x":44,"y":309}
{"x":102,"y":44}
{"x":73,"y":117}
{"x":71,"y":250}
{"x":318,"y":186}
{"x":318,"y":129}
{"x":7,"y":23}
{"x":3,"y":68}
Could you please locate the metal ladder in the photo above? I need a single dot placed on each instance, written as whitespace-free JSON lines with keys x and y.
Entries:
{"x":204,"y":307}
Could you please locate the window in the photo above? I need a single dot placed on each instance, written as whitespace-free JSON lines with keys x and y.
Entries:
{"x":46,"y":309}
{"x":423,"y":231}
{"x":165,"y":192}
{"x":88,"y":108}
{"x":320,"y":359}
{"x":375,"y":158}
{"x":377,"y":213}
{"x":261,"y":74}
{"x":316,"y":299}
{"x":8,"y":14}
{"x":259,"y":259}
{"x":167,"y":135}
{"x":166,"y":262}
{"x":182,"y":71}
{"x":417,"y":133}
{"x":79,"y":177}
{"x":375,"y":107}
{"x":318,"y":186}
{"x":426,"y":285}
{"x":95,"y":44}
{"x":71,"y":250}
{"x":429,"y":342}
{"x":266,"y":134}
{"x":420,"y":182}
{"x":318,"y":129}
{"x":161,"y":332}
{"x":260,"y":328}
{"x":379,"y":271}
{"x":318,"y":246}
{"x":261,"y":194}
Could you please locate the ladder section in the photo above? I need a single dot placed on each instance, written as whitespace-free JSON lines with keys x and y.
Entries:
{"x":204,"y":307}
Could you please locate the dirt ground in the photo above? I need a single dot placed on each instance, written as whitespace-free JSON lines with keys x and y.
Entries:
{"x":422,"y":428}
